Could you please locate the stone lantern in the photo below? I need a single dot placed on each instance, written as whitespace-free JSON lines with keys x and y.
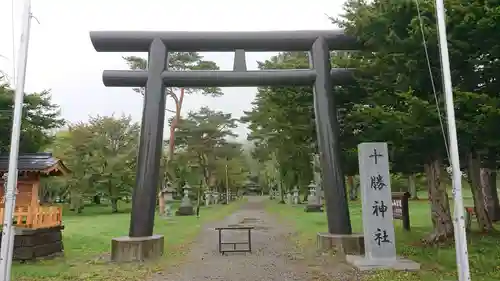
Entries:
{"x":313,"y":199}
{"x":272,"y":193}
{"x":168,"y":192}
{"x":168,"y":198}
{"x":296,"y":199}
{"x":216,"y":197}
{"x":208,"y":197}
{"x":288,"y":198}
{"x":186,"y":207}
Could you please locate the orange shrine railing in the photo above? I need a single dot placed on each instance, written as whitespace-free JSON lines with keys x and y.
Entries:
{"x":39,"y":217}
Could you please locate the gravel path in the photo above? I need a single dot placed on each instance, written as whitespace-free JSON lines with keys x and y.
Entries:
{"x":274,"y":255}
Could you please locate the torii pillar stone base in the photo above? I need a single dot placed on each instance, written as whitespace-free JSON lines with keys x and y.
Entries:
{"x":133,"y":249}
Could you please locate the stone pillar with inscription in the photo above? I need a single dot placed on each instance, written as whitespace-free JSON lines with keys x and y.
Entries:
{"x":378,"y":227}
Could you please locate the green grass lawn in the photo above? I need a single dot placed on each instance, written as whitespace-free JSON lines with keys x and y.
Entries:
{"x":438,"y":263}
{"x":87,"y":242}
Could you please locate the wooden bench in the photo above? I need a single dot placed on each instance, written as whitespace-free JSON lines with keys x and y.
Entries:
{"x":234,"y":250}
{"x":469,"y":213}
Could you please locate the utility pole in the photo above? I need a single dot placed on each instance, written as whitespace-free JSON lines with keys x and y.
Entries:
{"x":10,"y":192}
{"x":227,"y":183}
{"x":459,"y":222}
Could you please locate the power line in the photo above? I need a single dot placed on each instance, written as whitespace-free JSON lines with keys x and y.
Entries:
{"x":431,"y":76}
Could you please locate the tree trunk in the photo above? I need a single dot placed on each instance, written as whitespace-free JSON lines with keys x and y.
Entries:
{"x":412,"y":187}
{"x":474,"y":179}
{"x":494,"y":195}
{"x":114,"y":205}
{"x":161,"y":203}
{"x":489,"y":187}
{"x":173,"y":126}
{"x":353,"y":194}
{"x":76,"y":202}
{"x":440,"y":206}
{"x":171,"y":146}
{"x":282,"y":193}
{"x":485,"y":176}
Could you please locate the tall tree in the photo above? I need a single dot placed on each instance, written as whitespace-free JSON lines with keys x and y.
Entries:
{"x":71,"y":146}
{"x":281,"y":123}
{"x":399,"y":72}
{"x":114,"y":148}
{"x":397,"y":79}
{"x":177,"y":61}
{"x":40,"y":118}
{"x":204,"y":135}
{"x":101,"y":155}
{"x":231,"y":169}
{"x":396,"y":98}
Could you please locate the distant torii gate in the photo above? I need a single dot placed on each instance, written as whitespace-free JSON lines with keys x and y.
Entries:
{"x":321,"y":76}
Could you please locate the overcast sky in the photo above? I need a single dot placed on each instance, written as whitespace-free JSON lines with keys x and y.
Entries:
{"x":61,"y":57}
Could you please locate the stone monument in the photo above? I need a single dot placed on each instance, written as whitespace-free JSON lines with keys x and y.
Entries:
{"x":186,"y":207}
{"x":296,"y":196}
{"x":288,"y":198}
{"x":277,"y":195}
{"x":317,"y":178}
{"x":208,"y":197}
{"x":313,"y":199}
{"x":161,"y":198}
{"x":316,"y":166}
{"x":216,"y":197}
{"x":378,"y":227}
{"x":272,"y":193}
{"x":168,"y":198}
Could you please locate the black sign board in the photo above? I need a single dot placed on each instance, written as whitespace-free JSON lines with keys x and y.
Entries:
{"x":400,"y":208}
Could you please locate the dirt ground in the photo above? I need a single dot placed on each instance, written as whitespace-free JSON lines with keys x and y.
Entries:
{"x":275,"y":255}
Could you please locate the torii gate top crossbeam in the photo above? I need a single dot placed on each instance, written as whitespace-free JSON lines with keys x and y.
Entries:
{"x":250,"y":41}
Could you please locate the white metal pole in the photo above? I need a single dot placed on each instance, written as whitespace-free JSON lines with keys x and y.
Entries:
{"x":3,"y":261}
{"x":460,"y":237}
{"x":10,"y":193}
{"x":11,"y":254}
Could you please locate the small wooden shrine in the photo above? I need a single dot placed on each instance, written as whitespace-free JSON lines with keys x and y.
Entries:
{"x":38,"y":228}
